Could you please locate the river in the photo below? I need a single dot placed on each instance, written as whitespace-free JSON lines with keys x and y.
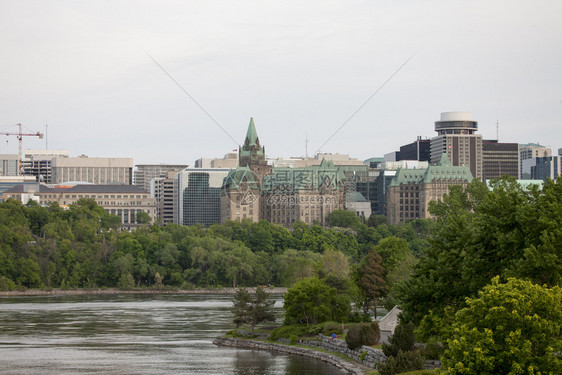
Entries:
{"x":131,"y":334}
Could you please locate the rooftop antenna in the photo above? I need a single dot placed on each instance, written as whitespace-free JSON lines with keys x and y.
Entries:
{"x":497,"y":128}
{"x":306,"y":146}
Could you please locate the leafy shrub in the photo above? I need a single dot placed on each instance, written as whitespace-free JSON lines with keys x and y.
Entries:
{"x":332,"y":327}
{"x":402,"y":362}
{"x":288,"y":331}
{"x":401,"y":340}
{"x":362,"y":355}
{"x":293,"y":339}
{"x":433,"y":349}
{"x":6,"y":284}
{"x":361,"y":334}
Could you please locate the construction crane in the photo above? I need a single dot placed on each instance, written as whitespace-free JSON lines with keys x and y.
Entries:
{"x":20,"y":135}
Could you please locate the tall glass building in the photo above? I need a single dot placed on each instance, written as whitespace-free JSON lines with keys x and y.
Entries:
{"x":198,"y":195}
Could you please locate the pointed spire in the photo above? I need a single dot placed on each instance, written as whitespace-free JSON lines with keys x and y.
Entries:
{"x":444,"y":161}
{"x":251,"y":134}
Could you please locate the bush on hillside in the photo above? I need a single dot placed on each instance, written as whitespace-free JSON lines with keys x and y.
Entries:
{"x":401,"y":340}
{"x":361,"y":334}
{"x":402,"y":362}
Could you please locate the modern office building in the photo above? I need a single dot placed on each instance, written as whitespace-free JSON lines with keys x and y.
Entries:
{"x":8,"y":164}
{"x":531,"y":151}
{"x":456,"y":137}
{"x":198,"y":195}
{"x":99,"y":171}
{"x":499,"y":159}
{"x":162,"y":190}
{"x":541,"y":168}
{"x":144,"y":173}
{"x":419,"y":150}
{"x":124,"y":201}
{"x":411,"y":190}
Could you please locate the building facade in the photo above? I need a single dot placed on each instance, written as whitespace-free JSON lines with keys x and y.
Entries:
{"x":162,"y":190}
{"x":257,"y":191}
{"x":542,"y":168}
{"x":99,"y":171}
{"x":125,"y":201}
{"x":499,"y":159}
{"x":144,"y":173}
{"x":419,"y":150}
{"x":197,"y":194}
{"x":9,"y":164}
{"x":456,"y":137}
{"x":411,"y":190}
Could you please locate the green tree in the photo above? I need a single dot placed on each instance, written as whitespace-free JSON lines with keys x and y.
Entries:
{"x":142,"y":218}
{"x":510,"y":328}
{"x":371,"y":279}
{"x":252,"y":310}
{"x":344,"y":218}
{"x":310,"y":301}
{"x":479,"y":233}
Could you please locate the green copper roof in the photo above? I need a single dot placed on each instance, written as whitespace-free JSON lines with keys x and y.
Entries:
{"x":443,"y":171}
{"x":311,"y":177}
{"x":251,"y":134}
{"x":445,"y":161}
{"x":238,"y":176}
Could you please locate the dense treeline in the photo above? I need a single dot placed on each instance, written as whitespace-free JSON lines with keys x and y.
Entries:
{"x":82,"y":247}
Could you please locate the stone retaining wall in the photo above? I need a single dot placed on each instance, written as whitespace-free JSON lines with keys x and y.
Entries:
{"x":371,"y":355}
{"x":272,"y":347}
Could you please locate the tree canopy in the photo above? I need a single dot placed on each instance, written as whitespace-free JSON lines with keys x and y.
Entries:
{"x":509,"y":328}
{"x":481,"y":233}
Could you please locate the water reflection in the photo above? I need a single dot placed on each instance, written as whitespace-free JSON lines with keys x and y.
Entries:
{"x":131,"y":334}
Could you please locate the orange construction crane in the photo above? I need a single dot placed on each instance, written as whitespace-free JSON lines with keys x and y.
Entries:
{"x":20,"y":135}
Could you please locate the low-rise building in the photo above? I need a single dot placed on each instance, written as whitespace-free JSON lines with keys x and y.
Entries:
{"x":124,"y":201}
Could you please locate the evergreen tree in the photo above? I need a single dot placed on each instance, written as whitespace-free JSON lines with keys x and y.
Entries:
{"x":372,"y":281}
{"x":252,"y":310}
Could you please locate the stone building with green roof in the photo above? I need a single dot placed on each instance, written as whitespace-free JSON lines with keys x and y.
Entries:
{"x":257,"y":191}
{"x":411,"y":190}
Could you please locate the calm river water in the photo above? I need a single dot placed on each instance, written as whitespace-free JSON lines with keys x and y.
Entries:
{"x":131,"y":334}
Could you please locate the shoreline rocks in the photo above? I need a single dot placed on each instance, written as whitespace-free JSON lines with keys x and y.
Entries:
{"x":352,"y":368}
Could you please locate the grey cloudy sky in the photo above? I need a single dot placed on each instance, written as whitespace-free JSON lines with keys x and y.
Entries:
{"x":297,"y":66}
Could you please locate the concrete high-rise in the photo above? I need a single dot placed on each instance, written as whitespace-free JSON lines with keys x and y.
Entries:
{"x":144,"y":173}
{"x":456,"y":137}
{"x":499,"y":159}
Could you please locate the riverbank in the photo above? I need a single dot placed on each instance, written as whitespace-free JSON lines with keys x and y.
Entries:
{"x":352,"y":368}
{"x":111,"y":291}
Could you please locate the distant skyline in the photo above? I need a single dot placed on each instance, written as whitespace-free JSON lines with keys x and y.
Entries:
{"x":299,"y":69}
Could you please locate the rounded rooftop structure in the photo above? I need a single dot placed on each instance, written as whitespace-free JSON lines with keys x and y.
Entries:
{"x":456,"y":123}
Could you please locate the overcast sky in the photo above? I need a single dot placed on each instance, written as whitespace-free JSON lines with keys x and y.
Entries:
{"x":298,"y":67}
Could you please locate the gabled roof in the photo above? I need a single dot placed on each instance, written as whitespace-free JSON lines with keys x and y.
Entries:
{"x":356,"y":197}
